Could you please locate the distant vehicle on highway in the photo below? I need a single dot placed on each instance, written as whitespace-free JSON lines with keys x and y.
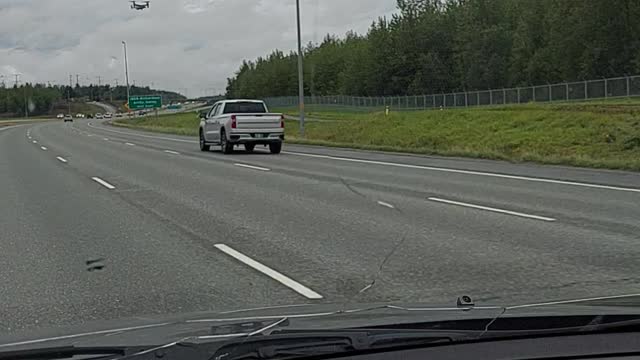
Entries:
{"x":60,"y":116}
{"x":119,"y":115}
{"x":241,"y":122}
{"x":107,"y":116}
{"x":99,"y":116}
{"x":79,"y":116}
{"x":68,"y":118}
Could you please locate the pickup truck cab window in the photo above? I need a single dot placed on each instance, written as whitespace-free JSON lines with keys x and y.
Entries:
{"x":215,"y":110}
{"x":245,"y":107}
{"x":218,"y":110}
{"x":212,"y":112}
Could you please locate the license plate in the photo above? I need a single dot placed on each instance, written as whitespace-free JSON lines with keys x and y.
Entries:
{"x":260,"y":136}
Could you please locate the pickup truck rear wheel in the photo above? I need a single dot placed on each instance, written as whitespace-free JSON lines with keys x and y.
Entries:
{"x":225,"y":146}
{"x":203,"y":143}
{"x":275,"y":147}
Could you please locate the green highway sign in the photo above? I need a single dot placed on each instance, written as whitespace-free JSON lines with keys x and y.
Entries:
{"x":145,"y":102}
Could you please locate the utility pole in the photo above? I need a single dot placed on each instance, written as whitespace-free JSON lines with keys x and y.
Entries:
{"x":77,"y":80}
{"x":99,"y":89}
{"x":69,"y":95}
{"x":126,"y":71}
{"x":17,"y":77}
{"x":300,"y":73}
{"x":6,"y":93}
{"x":26,"y":103}
{"x":116,"y":88}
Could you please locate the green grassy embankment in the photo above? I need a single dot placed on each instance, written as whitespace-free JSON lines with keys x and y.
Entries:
{"x":180,"y":123}
{"x":604,"y":134}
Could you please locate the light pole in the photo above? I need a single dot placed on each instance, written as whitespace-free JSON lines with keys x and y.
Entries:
{"x":300,"y":72}
{"x":126,"y":71}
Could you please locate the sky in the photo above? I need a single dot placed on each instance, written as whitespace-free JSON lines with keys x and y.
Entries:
{"x":189,"y":46}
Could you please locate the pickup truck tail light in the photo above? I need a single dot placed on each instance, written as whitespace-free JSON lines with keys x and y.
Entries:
{"x":234,"y":122}
{"x":282,"y":121}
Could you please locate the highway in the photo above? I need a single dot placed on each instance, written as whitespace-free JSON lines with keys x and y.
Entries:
{"x":100,"y":222}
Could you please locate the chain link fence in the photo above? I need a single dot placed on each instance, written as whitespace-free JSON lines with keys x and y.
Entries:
{"x":627,"y":86}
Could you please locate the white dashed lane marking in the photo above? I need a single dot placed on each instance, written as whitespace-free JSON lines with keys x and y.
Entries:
{"x":103,"y":183}
{"x":283,"y":279}
{"x":252,"y":167}
{"x":486,"y":208}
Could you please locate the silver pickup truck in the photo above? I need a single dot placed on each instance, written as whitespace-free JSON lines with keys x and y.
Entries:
{"x":241,"y":122}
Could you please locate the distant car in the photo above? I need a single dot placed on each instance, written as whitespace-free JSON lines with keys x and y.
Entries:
{"x":118,"y":115}
{"x":79,"y":116}
{"x":68,"y":118}
{"x":98,"y":116}
{"x":107,"y":116}
{"x":60,"y":116}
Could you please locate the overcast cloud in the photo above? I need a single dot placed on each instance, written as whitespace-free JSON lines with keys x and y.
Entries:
{"x":176,"y":44}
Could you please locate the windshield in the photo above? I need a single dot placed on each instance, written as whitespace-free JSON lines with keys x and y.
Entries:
{"x":414,"y":152}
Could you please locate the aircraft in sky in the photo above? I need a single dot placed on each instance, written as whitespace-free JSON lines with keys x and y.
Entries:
{"x":139,"y":6}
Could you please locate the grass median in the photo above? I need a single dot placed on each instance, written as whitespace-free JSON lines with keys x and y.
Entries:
{"x":595,"y":134}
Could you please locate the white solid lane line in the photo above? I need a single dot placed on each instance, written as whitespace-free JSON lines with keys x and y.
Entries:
{"x":172,"y":152}
{"x":252,"y":167}
{"x":386,"y":204}
{"x":43,"y":148}
{"x":479,"y":207}
{"x":61,"y":159}
{"x":130,"y":144}
{"x":103,"y":183}
{"x":286,"y":281}
{"x":467,"y":172}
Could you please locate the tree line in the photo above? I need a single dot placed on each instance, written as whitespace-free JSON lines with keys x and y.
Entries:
{"x":40,"y":99}
{"x":432,"y":46}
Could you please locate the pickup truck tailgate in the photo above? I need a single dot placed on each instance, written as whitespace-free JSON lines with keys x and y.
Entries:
{"x":258,"y":121}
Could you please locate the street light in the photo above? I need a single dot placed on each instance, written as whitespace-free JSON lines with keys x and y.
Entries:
{"x":126,"y":70}
{"x":300,"y":73}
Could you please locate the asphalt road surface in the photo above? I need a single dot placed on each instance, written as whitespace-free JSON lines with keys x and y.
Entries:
{"x":99,"y":222}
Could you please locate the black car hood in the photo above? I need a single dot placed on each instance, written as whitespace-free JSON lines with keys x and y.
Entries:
{"x":156,"y":330}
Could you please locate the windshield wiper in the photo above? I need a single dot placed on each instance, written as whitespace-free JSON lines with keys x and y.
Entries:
{"x":293,"y":344}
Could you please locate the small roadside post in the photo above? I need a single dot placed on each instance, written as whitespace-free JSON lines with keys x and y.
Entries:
{"x":386,"y":111}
